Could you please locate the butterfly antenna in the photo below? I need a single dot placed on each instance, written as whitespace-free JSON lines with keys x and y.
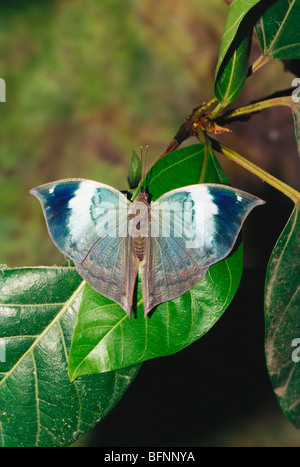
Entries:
{"x":147,"y":147}
{"x":143,"y":165}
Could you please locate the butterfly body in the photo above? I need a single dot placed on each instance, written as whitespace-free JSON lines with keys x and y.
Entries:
{"x":139,"y":244}
{"x":175,"y":239}
{"x":141,"y":208}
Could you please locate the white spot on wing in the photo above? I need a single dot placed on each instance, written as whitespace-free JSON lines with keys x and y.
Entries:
{"x":84,"y":227}
{"x":79,"y":217}
{"x":239,"y":198}
{"x":81,"y":199}
{"x":204,"y":211}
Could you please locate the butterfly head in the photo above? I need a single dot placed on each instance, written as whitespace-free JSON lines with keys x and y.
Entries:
{"x":142,"y":196}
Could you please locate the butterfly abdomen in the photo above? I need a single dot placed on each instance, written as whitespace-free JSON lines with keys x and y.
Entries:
{"x":138,"y":223}
{"x":139,"y":246}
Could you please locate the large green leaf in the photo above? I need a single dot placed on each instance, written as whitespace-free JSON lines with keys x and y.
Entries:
{"x":233,"y":73}
{"x":278,"y":30}
{"x":106,"y":339}
{"x":232,"y":67}
{"x":38,"y":404}
{"x":282,"y":313}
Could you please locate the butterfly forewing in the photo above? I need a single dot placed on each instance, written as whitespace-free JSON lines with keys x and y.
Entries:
{"x":80,"y":212}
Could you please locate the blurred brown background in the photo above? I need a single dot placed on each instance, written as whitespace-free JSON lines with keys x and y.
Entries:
{"x":87,"y":83}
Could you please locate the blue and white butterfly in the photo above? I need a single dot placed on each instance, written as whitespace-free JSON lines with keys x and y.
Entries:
{"x":174,"y":239}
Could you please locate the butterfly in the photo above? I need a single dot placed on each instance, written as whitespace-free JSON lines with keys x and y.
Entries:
{"x":174,"y":240}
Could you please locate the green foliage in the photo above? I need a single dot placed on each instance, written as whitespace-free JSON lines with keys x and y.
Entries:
{"x":232,"y":67}
{"x":278,"y":30}
{"x":233,"y":73}
{"x":134,"y":174}
{"x":282,"y":311}
{"x":236,"y":13}
{"x":39,"y":405}
{"x":106,"y":339}
{"x":187,"y":166}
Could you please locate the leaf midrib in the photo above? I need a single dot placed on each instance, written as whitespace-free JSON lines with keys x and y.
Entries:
{"x":180,"y":161}
{"x":104,"y":337}
{"x":38,"y":339}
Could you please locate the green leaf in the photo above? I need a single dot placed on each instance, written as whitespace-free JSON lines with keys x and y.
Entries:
{"x":234,"y":51}
{"x":184,"y":167}
{"x":106,"y":339}
{"x":295,"y":107}
{"x":278,"y":30}
{"x":134,"y":174}
{"x":282,"y":314}
{"x":38,"y":404}
{"x":233,"y":73}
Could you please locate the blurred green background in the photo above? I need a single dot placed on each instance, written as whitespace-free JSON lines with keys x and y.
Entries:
{"x":87,"y":83}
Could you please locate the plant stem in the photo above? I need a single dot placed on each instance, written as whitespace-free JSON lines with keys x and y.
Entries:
{"x":257,"y":107}
{"x":199,"y":111}
{"x":261,"y":61}
{"x":294,"y":195}
{"x":217,"y":110}
{"x":185,"y":131}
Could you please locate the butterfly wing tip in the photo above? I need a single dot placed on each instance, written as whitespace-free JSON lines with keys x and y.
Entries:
{"x":261,"y":201}
{"x":34,"y":192}
{"x":125,"y":305}
{"x":127,"y":310}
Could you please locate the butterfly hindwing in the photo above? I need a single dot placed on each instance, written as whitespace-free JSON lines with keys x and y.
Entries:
{"x":111,"y":268}
{"x":168,"y":271}
{"x":192,"y":228}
